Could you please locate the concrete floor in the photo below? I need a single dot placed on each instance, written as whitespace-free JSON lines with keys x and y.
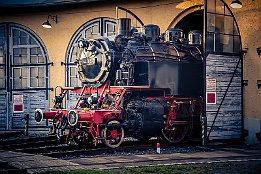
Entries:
{"x":39,"y":163}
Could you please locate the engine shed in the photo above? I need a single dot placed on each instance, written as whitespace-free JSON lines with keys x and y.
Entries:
{"x":34,"y":60}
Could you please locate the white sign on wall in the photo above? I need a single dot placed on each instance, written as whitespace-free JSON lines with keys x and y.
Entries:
{"x":211,"y":84}
{"x":211,"y":95}
{"x":18,"y":103}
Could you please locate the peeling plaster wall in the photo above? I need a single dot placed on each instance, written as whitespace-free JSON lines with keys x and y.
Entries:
{"x":57,"y":39}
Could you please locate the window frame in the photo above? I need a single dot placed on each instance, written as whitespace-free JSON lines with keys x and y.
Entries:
{"x":28,"y":65}
{"x":234,"y":34}
{"x":81,"y":33}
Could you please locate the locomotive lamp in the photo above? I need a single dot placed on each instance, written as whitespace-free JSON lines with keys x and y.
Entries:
{"x":38,"y":115}
{"x":73,"y":117}
{"x":47,"y":24}
{"x":236,"y":4}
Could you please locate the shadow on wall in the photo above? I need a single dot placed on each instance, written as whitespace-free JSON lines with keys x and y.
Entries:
{"x":258,"y":136}
{"x":250,"y":15}
{"x":253,"y":126}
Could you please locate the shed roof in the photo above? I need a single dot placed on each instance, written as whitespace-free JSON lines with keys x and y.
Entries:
{"x":41,"y":3}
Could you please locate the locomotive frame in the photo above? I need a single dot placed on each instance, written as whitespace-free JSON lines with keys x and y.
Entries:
{"x":109,"y":118}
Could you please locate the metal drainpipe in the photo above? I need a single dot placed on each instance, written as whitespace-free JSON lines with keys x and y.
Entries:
{"x":8,"y":111}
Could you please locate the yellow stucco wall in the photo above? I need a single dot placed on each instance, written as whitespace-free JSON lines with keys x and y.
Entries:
{"x":57,"y":39}
{"x":161,"y":13}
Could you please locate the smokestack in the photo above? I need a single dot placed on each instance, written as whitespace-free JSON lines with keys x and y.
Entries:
{"x":124,"y":26}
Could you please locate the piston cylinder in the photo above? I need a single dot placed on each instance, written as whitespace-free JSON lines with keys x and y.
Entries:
{"x":49,"y":114}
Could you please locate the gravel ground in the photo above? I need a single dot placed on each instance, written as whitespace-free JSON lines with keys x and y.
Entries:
{"x":186,"y":149}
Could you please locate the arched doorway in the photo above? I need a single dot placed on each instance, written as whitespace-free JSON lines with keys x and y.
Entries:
{"x":192,"y":21}
{"x":24,"y":82}
{"x":93,"y":28}
{"x":222,"y":67}
{"x":223,"y":73}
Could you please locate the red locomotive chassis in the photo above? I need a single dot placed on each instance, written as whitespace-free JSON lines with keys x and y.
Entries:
{"x":106,"y":119}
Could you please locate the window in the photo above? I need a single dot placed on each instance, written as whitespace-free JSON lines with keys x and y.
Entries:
{"x":2,"y":57}
{"x":29,"y":63}
{"x":222,"y":31}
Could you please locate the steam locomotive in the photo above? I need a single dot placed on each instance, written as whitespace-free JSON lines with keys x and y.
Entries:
{"x":135,"y":84}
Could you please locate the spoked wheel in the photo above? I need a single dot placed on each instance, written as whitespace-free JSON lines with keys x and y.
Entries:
{"x":176,"y":134}
{"x":112,"y":135}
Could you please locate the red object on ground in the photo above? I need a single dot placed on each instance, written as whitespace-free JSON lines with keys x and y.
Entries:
{"x":158,"y":147}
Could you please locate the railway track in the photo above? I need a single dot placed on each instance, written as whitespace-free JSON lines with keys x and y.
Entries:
{"x":50,"y":146}
{"x":73,"y":151}
{"x":129,"y":153}
{"x":101,"y":150}
{"x":215,"y":155}
{"x":27,"y":142}
{"x":63,"y":150}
